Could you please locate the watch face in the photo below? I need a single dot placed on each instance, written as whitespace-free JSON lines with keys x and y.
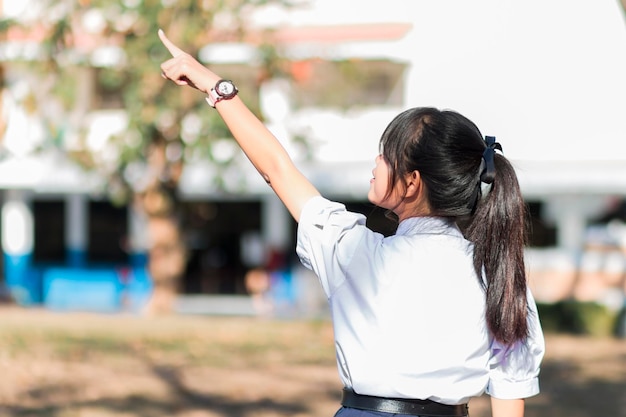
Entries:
{"x":225,"y":88}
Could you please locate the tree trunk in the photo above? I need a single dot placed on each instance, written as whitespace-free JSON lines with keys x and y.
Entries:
{"x":167,"y":253}
{"x":166,"y":264}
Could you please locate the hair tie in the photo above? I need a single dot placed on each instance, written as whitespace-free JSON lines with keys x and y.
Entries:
{"x":487,"y":167}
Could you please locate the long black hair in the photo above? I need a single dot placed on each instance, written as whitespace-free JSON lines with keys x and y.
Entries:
{"x":447,"y":149}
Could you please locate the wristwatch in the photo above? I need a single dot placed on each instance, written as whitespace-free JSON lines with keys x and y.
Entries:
{"x":223,"y":90}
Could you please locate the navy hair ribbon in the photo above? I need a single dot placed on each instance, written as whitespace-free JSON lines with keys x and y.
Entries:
{"x":487,"y":166}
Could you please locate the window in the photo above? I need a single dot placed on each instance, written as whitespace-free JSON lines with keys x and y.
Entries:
{"x":347,"y":83}
{"x":108,"y":229}
{"x":378,"y":218}
{"x":542,"y":234}
{"x":49,"y":233}
{"x":213,"y":231}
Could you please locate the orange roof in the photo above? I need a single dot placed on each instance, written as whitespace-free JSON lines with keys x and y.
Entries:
{"x":287,"y":35}
{"x":342,"y":33}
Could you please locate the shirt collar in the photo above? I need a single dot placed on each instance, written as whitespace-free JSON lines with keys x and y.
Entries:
{"x":428,"y":225}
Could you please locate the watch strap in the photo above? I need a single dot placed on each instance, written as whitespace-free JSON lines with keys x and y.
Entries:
{"x":213,"y":98}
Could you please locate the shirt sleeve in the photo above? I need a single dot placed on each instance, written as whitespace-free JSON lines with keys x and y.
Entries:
{"x":327,"y":237}
{"x":514,"y":371}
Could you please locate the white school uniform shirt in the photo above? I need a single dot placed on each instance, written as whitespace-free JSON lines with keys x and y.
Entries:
{"x":409,"y":312}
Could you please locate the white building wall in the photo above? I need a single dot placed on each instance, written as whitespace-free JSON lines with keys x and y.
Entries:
{"x":546,"y":78}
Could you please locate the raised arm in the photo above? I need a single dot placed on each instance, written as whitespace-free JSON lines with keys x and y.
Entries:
{"x":260,"y":146}
{"x":507,"y":408}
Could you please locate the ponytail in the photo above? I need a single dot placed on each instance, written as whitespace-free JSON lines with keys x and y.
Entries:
{"x":453,"y":159}
{"x":498,"y":230}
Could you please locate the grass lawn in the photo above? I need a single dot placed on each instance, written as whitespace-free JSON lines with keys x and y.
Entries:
{"x":87,"y":365}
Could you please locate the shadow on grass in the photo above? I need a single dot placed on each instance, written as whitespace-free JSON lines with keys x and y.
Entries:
{"x":178,"y":400}
{"x":152,"y":407}
{"x":566,"y":391}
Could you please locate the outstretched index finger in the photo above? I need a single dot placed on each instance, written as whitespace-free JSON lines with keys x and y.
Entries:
{"x":174,"y":50}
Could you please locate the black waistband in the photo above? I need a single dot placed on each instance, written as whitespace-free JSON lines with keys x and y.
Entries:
{"x":401,"y":405}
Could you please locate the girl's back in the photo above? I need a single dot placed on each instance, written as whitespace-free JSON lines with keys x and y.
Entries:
{"x":407,"y":309}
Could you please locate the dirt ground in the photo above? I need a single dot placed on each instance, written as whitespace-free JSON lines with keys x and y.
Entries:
{"x":82,"y":365}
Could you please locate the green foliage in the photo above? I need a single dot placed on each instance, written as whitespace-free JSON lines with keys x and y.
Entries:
{"x":577,"y":317}
{"x":76,"y":30}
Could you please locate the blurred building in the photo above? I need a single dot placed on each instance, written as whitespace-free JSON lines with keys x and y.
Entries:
{"x":545,"y":78}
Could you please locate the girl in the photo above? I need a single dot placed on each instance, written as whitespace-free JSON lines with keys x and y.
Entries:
{"x":432,"y":316}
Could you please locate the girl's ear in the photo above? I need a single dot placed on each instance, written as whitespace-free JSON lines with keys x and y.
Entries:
{"x":414,"y":185}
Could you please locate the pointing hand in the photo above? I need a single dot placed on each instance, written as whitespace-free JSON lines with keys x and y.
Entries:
{"x":183,"y":69}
